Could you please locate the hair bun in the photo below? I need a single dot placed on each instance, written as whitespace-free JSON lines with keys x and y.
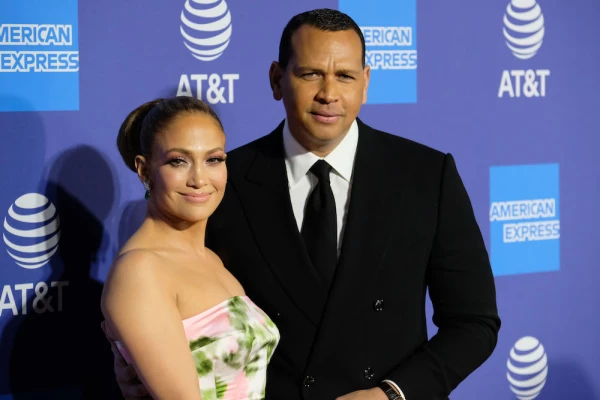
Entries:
{"x":130,"y":133}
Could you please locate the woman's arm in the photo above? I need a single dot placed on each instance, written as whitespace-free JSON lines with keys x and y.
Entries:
{"x":141,"y":309}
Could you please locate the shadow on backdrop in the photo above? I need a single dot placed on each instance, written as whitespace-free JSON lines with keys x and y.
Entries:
{"x":132,"y":216}
{"x":23,"y":148}
{"x":64,"y":354}
{"x":22,"y":152}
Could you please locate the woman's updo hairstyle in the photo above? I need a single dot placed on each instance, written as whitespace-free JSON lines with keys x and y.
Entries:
{"x":137,"y":132}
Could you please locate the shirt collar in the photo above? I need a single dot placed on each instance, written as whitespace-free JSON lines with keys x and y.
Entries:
{"x":299,"y":160}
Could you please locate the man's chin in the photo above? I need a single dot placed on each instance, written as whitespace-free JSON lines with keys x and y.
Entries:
{"x":328,"y":131}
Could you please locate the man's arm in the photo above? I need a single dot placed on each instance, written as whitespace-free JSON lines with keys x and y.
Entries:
{"x":462,"y":290}
{"x":127,"y":378}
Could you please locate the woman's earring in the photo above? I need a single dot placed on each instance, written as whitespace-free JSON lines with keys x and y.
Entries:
{"x":147,"y":187}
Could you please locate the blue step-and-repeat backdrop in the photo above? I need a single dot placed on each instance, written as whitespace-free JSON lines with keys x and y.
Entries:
{"x":510,"y":87}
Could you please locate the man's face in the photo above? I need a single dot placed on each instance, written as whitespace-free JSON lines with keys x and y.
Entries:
{"x":323,"y":85}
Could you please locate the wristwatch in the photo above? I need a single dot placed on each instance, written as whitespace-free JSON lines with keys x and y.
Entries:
{"x":390,"y":392}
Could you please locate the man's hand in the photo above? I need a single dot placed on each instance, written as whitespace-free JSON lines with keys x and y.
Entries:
{"x":127,"y":378}
{"x":371,"y":394}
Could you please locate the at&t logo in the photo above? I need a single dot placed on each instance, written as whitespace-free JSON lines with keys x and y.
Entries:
{"x":31,"y":230}
{"x":527,"y":368}
{"x":523,"y":29}
{"x":31,"y":235}
{"x":524,"y":33}
{"x":206,"y":29}
{"x":208,"y":40}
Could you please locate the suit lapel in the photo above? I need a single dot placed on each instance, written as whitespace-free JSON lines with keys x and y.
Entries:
{"x":264,"y":195}
{"x":378,"y":188}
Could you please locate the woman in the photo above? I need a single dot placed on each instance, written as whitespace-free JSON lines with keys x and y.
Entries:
{"x":181,"y":319}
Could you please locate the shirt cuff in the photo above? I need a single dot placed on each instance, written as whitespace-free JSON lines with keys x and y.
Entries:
{"x":396,"y":387}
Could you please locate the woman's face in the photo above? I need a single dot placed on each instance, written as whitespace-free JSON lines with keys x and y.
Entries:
{"x":187,"y":169}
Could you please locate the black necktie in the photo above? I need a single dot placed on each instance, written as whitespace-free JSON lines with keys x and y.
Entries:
{"x":319,"y":228}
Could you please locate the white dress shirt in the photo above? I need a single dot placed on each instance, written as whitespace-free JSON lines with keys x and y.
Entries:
{"x":298,"y":162}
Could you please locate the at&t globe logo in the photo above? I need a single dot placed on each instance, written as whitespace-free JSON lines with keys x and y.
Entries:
{"x":523,"y":28}
{"x":206,"y":28}
{"x":31,"y":230}
{"x":527,"y":368}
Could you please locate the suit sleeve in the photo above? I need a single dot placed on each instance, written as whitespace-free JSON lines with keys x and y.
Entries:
{"x":463,"y":295}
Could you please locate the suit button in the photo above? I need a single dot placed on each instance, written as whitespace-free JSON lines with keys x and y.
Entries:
{"x":378,"y":305}
{"x":369,"y":374}
{"x":308,"y":381}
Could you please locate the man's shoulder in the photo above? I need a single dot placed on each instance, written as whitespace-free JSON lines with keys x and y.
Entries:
{"x":251,"y":148}
{"x":268,"y":146}
{"x":241,"y":158}
{"x":396,"y":144}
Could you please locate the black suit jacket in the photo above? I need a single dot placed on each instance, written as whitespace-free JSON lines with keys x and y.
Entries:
{"x":410,"y":227}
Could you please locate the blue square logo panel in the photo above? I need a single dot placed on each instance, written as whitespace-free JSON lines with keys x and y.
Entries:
{"x":524,"y":219}
{"x":390,"y":31}
{"x":39,"y":56}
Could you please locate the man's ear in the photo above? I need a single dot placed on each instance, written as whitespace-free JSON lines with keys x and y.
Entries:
{"x":275,"y":76}
{"x":367,"y":77}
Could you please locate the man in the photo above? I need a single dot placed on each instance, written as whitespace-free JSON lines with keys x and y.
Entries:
{"x":336,"y":230}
